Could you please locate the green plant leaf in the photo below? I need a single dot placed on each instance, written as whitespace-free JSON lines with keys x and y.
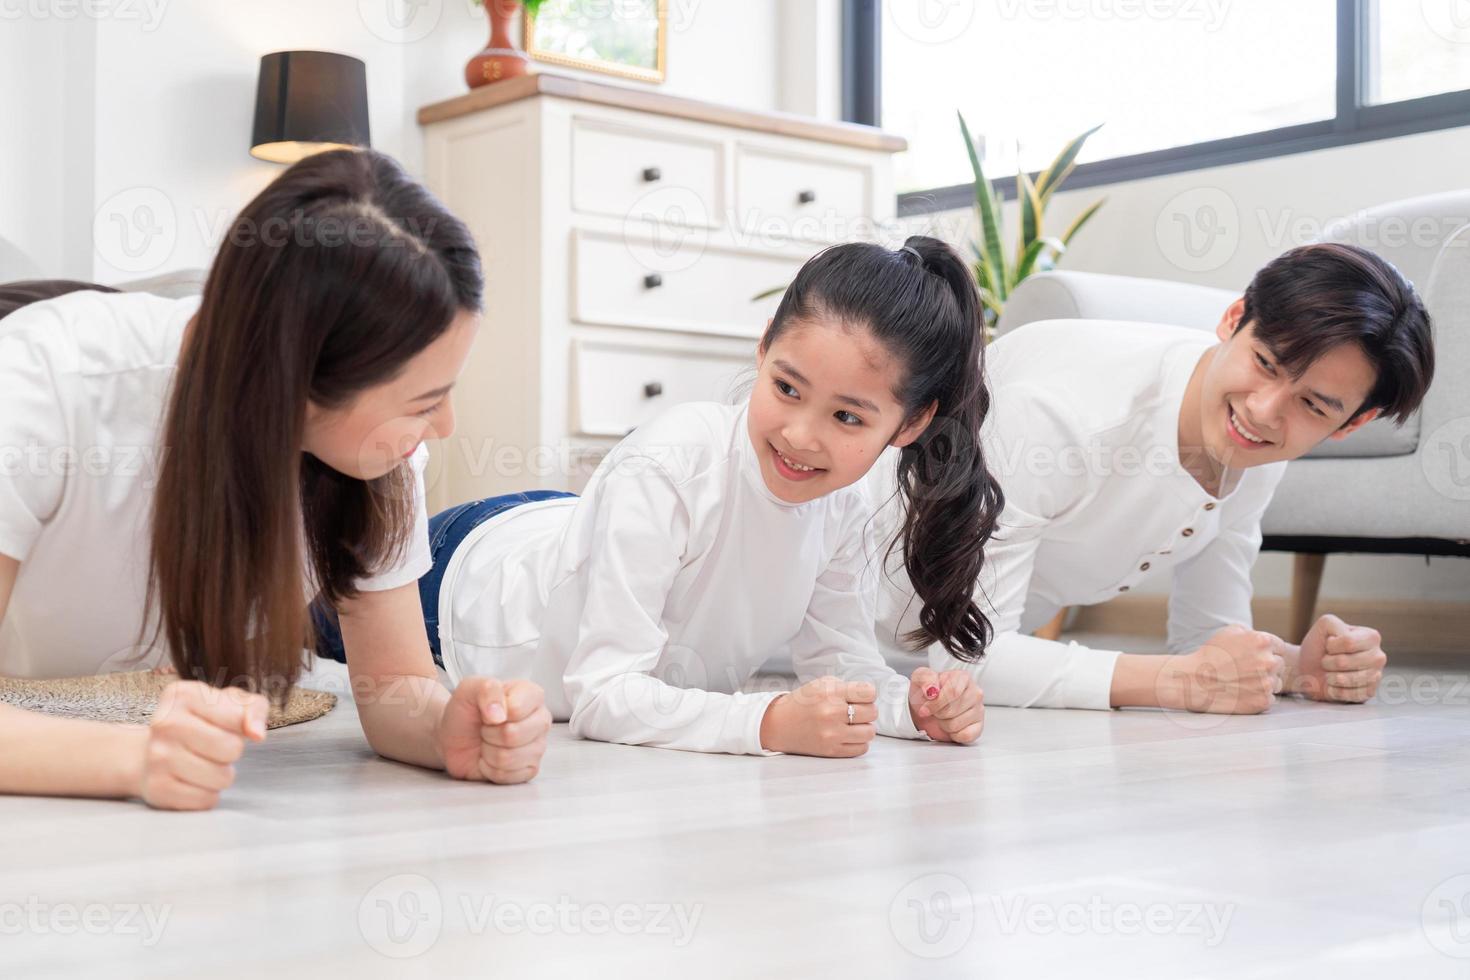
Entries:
{"x":1027,"y":263}
{"x":533,"y":7}
{"x":988,"y":300}
{"x":984,"y":273}
{"x":1081,"y":220}
{"x":767,"y":293}
{"x":987,"y":210}
{"x":1061,"y":168}
{"x":1031,"y":214}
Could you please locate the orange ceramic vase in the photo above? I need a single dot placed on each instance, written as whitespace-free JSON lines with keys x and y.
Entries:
{"x":501,"y":58}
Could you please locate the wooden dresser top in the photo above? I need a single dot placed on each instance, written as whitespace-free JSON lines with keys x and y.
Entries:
{"x":643,"y":100}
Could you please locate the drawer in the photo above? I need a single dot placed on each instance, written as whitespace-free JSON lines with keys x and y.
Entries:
{"x":646,"y":175}
{"x":802,"y":197}
{"x":674,"y":284}
{"x":617,"y":387}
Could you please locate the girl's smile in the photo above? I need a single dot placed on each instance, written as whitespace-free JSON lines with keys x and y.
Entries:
{"x":791,"y":469}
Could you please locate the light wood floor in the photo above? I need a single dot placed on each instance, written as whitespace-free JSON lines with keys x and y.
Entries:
{"x":1313,"y":841}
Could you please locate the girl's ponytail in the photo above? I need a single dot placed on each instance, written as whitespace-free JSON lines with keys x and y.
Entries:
{"x":950,"y":500}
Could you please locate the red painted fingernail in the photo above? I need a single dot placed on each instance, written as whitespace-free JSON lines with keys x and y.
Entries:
{"x":931,"y":692}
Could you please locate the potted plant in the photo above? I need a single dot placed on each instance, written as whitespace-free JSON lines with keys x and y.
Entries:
{"x":995,"y":274}
{"x":501,"y":58}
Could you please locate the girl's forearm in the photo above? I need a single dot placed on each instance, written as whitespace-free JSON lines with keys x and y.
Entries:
{"x":41,"y":755}
{"x":400,"y":717}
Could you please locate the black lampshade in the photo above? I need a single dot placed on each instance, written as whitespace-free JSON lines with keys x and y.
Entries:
{"x":309,"y":101}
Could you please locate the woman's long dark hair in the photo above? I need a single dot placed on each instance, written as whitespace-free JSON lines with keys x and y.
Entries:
{"x":328,"y":282}
{"x":920,"y":303}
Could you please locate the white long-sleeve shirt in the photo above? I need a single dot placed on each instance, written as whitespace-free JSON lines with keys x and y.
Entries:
{"x":1083,"y":435}
{"x":643,"y":606}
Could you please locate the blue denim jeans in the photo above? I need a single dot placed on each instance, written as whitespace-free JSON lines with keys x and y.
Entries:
{"x":447,"y":530}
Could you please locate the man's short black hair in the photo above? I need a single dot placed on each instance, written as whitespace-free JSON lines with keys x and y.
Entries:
{"x":1316,"y":297}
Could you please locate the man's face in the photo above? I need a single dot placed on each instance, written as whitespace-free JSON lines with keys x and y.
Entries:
{"x":1254,"y":412}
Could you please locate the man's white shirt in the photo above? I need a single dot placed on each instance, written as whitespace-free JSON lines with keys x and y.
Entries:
{"x":1083,"y":436}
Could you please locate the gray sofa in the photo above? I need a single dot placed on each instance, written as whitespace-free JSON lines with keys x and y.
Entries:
{"x":1383,"y":489}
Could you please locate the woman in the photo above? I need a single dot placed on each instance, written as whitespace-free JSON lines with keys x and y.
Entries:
{"x":179,"y":477}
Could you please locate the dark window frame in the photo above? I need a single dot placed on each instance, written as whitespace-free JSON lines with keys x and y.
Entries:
{"x":1354,"y":121}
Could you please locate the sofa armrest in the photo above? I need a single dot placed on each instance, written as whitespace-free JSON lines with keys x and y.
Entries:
{"x":1445,"y":414}
{"x":1098,"y":296}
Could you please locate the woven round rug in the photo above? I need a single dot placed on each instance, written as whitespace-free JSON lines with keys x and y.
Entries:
{"x":131,"y":697}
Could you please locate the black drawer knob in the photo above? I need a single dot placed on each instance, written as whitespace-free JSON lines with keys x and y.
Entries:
{"x":653,"y":389}
{"x":652,"y":281}
{"x":650,"y":174}
{"x":806,"y":197}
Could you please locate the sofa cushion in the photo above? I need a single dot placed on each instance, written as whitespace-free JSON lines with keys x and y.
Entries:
{"x":1378,"y":438}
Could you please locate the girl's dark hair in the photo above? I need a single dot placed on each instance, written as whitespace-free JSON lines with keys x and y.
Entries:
{"x":920,"y":304}
{"x":1316,"y":297}
{"x":328,"y":282}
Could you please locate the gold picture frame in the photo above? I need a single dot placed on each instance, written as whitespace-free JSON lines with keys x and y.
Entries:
{"x":563,"y":34}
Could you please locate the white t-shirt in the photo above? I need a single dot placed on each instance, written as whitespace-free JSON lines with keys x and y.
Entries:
{"x":645,"y":605}
{"x":84,"y":383}
{"x":1083,"y":435}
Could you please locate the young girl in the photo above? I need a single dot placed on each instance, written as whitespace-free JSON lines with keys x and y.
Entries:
{"x":717,"y":535}
{"x":235,"y":454}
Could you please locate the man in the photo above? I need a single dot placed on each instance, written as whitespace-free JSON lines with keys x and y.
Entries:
{"x":1130,"y":448}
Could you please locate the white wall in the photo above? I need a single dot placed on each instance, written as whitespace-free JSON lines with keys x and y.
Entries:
{"x":1260,"y":209}
{"x":132,"y":117}
{"x":33,"y":146}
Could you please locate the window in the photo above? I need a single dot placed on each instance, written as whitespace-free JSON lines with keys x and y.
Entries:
{"x":1178,"y":84}
{"x":1417,"y":49}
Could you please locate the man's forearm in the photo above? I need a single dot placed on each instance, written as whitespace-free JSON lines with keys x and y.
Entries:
{"x":1148,"y":680}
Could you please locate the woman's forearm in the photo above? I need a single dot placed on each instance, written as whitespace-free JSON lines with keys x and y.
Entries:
{"x":41,"y":755}
{"x":400,"y":717}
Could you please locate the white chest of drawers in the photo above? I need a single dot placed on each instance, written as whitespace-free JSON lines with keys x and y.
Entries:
{"x":624,"y":235}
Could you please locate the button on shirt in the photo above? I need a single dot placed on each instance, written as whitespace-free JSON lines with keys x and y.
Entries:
{"x":1083,"y":437}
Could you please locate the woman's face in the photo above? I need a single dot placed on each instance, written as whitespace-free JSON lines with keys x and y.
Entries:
{"x":385,"y":424}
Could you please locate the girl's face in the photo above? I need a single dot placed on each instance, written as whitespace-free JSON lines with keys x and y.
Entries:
{"x":823,"y":409}
{"x":385,"y":424}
